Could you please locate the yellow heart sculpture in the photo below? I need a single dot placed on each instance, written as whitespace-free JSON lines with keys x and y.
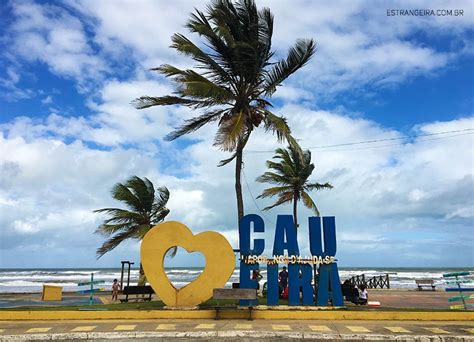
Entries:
{"x":220,"y":262}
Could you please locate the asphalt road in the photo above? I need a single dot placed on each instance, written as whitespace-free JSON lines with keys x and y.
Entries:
{"x":238,"y":330}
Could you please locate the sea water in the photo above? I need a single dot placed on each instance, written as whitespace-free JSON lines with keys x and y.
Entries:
{"x":32,"y":280}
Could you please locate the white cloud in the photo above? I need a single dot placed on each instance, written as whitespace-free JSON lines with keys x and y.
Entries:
{"x":413,"y":199}
{"x":50,"y":34}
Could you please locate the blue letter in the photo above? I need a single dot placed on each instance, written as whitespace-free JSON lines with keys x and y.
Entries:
{"x":329,"y":286}
{"x":244,"y":235}
{"x":246,"y":282}
{"x":285,"y":224}
{"x":300,"y":276}
{"x":273,"y":290}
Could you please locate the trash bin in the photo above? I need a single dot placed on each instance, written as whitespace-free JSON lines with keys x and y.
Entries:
{"x":52,"y":292}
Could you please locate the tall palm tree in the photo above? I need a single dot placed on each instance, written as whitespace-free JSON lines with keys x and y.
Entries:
{"x":145,"y":209}
{"x":291,"y":174}
{"x":233,"y":77}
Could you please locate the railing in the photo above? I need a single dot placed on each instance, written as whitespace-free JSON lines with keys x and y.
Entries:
{"x":381,"y":281}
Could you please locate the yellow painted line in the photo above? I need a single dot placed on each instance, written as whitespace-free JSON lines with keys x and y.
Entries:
{"x":205,"y":326}
{"x":243,"y":326}
{"x":357,"y":329}
{"x":6,"y":315}
{"x":469,"y":330}
{"x":2,"y":330}
{"x":166,"y":327}
{"x":38,"y":330}
{"x":281,"y":327}
{"x":320,"y":328}
{"x":398,"y":330}
{"x":84,"y":328}
{"x":437,"y":330}
{"x":125,"y":327}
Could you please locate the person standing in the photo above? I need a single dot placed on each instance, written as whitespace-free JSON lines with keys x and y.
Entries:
{"x":283,"y":279}
{"x":115,"y":289}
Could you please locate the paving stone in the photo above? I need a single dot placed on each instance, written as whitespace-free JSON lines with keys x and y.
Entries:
{"x":358,"y":329}
{"x":320,"y":328}
{"x":38,"y":330}
{"x":85,"y":328}
{"x":125,"y":327}
{"x":205,"y":326}
{"x":166,"y":327}
{"x":280,"y":327}
{"x":398,"y":330}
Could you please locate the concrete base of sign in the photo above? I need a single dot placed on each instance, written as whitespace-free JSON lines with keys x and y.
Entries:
{"x":184,"y":308}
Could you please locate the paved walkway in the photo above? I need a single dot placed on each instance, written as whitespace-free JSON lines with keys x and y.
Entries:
{"x":237,"y":330}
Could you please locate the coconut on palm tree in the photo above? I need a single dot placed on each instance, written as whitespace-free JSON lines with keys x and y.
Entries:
{"x":290,"y":173}
{"x":233,"y":78}
{"x":146,"y":207}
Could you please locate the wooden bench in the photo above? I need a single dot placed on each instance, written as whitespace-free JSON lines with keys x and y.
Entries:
{"x":137,"y":290}
{"x":425,"y":282}
{"x":236,"y":293}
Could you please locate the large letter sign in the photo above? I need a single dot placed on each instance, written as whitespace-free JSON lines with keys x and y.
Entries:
{"x":286,"y":251}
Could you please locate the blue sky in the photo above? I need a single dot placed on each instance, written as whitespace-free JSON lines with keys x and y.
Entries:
{"x":68,"y":131}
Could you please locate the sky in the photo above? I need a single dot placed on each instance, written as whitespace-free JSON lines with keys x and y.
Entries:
{"x":70,"y":70}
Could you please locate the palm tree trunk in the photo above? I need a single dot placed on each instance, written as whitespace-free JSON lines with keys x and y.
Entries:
{"x":295,"y":212}
{"x":238,"y":185}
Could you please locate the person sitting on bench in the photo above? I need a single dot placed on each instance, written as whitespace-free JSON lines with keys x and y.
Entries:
{"x":363,"y":296}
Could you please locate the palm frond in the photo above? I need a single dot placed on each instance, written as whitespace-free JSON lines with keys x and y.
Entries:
{"x":244,"y":141}
{"x":113,"y":242}
{"x":230,"y":132}
{"x":318,"y":186}
{"x":298,"y":56}
{"x":285,"y":198}
{"x":309,"y":203}
{"x":194,"y":124}
{"x":188,"y":48}
{"x":277,"y":190}
{"x":273,"y":178}
{"x":150,"y":101}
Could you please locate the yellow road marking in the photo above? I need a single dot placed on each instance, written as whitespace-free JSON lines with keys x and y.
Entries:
{"x":398,"y":330}
{"x":469,"y":330}
{"x":84,"y":328}
{"x":125,"y":327}
{"x":243,"y":326}
{"x":166,"y":327}
{"x":319,"y":328}
{"x":205,"y":326}
{"x":357,"y":329}
{"x":437,"y":330}
{"x":280,"y":327}
{"x":38,"y":330}
{"x":1,"y":330}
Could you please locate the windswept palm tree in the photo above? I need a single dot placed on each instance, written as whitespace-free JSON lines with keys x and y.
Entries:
{"x":291,"y":174}
{"x":145,"y":208}
{"x":233,"y":78}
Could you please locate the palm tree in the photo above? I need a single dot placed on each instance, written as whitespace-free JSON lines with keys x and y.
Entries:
{"x":145,"y":209}
{"x":290,"y":174}
{"x":233,"y":77}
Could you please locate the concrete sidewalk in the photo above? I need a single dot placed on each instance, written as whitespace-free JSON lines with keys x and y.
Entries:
{"x":236,"y":330}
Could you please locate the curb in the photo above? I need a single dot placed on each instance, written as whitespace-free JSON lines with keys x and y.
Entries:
{"x":232,"y":336}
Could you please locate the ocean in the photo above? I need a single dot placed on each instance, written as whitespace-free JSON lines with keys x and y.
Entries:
{"x":32,"y":280}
